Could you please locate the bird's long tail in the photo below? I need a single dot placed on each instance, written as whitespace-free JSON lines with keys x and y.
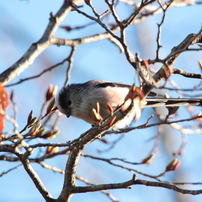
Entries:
{"x":158,"y":102}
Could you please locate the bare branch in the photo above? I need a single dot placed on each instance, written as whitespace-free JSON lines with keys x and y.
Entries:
{"x":125,"y":130}
{"x":37,"y":48}
{"x":33,"y":175}
{"x":70,"y":59}
{"x":134,"y":181}
{"x":40,"y":74}
{"x":159,"y":27}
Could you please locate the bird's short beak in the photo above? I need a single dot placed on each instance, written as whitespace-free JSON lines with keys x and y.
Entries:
{"x":68,"y":114}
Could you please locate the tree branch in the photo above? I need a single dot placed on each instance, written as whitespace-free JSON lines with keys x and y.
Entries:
{"x":30,"y":171}
{"x":134,"y":181}
{"x":187,"y":74}
{"x":37,"y":48}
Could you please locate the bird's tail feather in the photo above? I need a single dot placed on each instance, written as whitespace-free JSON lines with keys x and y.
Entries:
{"x":158,"y":102}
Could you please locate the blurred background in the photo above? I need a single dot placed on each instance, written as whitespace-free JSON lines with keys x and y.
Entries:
{"x":23,"y":23}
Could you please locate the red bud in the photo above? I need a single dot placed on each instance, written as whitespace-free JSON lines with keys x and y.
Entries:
{"x":176,"y":166}
{"x":12,"y":95}
{"x":49,"y":92}
{"x":146,"y":64}
{"x":103,"y":140}
{"x":29,"y":118}
{"x":67,"y":28}
{"x":110,"y":109}
{"x":112,"y":121}
{"x":173,"y":165}
{"x":88,"y":2}
{"x":69,"y":2}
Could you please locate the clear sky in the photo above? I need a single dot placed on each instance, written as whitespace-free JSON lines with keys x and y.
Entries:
{"x":23,"y":23}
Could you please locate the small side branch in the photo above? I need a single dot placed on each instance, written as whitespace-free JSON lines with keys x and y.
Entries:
{"x":134,"y":181}
{"x":187,"y":74}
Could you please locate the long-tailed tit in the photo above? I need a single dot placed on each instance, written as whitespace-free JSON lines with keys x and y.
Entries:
{"x":78,"y":100}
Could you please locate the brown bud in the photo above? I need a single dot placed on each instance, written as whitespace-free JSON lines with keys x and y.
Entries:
{"x":111,"y":110}
{"x":176,"y":166}
{"x":67,"y":28}
{"x":40,"y":132}
{"x":173,"y":165}
{"x":146,"y":64}
{"x":11,"y":96}
{"x":50,"y":134}
{"x":49,"y":92}
{"x":32,"y":121}
{"x":172,"y":110}
{"x":50,"y":106}
{"x":29,"y":118}
{"x":103,"y":140}
{"x":88,"y":2}
{"x":96,"y":115}
{"x":148,"y":159}
{"x":97,"y":107}
{"x":69,"y":2}
{"x":51,"y":150}
{"x":199,"y":45}
{"x":34,"y":129}
{"x":112,"y":121}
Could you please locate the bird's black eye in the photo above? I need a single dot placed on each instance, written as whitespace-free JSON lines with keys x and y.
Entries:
{"x":69,"y":102}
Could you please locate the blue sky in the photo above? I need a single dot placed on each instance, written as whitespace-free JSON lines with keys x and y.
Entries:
{"x":23,"y":23}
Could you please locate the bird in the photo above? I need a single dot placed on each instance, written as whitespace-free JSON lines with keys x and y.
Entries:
{"x":79,"y":99}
